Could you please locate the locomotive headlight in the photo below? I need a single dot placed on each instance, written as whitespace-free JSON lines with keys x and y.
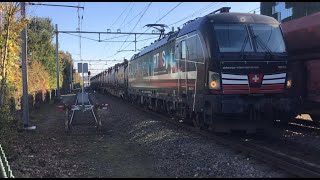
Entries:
{"x":289,"y":81}
{"x":213,"y":84}
{"x":214,"y":80}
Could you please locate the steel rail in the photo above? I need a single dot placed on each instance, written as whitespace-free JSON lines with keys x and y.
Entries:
{"x":73,"y":111}
{"x":95,"y":118}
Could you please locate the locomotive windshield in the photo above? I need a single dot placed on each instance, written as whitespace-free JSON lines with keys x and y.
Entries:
{"x":235,"y":38}
{"x":268,"y":35}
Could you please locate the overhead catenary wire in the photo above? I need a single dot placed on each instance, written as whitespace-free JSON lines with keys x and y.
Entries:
{"x":107,"y":44}
{"x":117,"y":20}
{"x":164,"y":16}
{"x":158,"y":21}
{"x":120,"y":16}
{"x":168,"y":12}
{"x":31,"y":13}
{"x":130,"y":21}
{"x":123,"y":23}
{"x":254,"y":9}
{"x":203,"y":9}
{"x":148,"y":39}
{"x":133,"y":18}
{"x":114,"y":37}
{"x":82,"y":37}
{"x":138,"y":22}
{"x":144,"y":11}
{"x":216,"y":5}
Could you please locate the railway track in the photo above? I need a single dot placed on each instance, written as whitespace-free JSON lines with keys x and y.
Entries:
{"x":302,"y":126}
{"x":77,"y":108}
{"x":294,"y":165}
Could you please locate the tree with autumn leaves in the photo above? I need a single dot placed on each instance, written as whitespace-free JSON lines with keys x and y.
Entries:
{"x":10,"y":28}
{"x":41,"y":49}
{"x":40,"y":55}
{"x":41,"y":64}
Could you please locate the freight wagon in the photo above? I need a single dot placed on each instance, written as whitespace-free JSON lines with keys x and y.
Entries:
{"x":302,"y":38}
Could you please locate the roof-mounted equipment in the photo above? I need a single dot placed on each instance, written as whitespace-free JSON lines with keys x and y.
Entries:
{"x":222,"y":10}
{"x":161,"y":29}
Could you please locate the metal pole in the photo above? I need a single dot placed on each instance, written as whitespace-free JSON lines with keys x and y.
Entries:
{"x":24,"y":71}
{"x":82,"y":72}
{"x":71,"y":77}
{"x":135,"y":42}
{"x":57,"y":62}
{"x":82,"y":86}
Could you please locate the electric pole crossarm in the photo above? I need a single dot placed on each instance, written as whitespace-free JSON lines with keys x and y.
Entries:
{"x":55,"y":5}
{"x":102,"y":60}
{"x":92,"y":32}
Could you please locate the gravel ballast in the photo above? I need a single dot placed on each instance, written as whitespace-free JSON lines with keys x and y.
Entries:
{"x":177,"y":152}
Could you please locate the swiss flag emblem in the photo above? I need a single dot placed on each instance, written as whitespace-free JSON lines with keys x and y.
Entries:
{"x":255,"y":79}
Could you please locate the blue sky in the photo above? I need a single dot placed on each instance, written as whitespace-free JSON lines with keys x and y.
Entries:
{"x":100,"y":16}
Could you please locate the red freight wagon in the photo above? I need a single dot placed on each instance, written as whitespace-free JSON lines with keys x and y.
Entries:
{"x":302,"y":38}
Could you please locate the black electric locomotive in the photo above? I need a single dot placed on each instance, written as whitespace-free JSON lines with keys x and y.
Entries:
{"x":223,"y":71}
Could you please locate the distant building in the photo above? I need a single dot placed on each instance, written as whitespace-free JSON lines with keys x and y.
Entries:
{"x":286,"y":11}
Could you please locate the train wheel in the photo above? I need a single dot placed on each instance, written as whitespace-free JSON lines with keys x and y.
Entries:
{"x":198,"y":121}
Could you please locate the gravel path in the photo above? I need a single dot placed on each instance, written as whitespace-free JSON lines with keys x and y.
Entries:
{"x":176,"y":152}
{"x":50,"y":152}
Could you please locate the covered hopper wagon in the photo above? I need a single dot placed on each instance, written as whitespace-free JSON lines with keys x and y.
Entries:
{"x":302,"y":38}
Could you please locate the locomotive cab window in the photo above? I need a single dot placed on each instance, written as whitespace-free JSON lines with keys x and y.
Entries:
{"x":268,"y":36}
{"x":233,"y":38}
{"x":183,"y":50}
